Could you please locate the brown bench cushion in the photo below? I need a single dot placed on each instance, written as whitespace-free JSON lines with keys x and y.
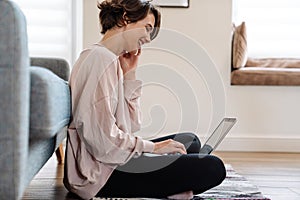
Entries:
{"x":273,"y":62}
{"x":265,"y":76}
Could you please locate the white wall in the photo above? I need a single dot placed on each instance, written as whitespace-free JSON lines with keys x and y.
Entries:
{"x":268,"y":117}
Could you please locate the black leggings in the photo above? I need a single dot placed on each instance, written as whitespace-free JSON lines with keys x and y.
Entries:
{"x":165,"y":175}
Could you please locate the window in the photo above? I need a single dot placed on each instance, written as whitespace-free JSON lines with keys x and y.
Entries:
{"x":51,"y":28}
{"x":273,"y":26}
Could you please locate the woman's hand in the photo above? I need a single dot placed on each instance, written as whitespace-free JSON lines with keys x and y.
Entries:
{"x":169,"y":146}
{"x":129,"y":63}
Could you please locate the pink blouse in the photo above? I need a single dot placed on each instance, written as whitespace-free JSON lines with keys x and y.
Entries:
{"x":105,"y":114}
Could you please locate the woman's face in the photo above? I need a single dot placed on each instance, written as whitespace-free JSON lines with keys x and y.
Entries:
{"x":138,"y":33}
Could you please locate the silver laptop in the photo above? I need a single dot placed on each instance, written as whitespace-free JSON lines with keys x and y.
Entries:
{"x":218,"y":135}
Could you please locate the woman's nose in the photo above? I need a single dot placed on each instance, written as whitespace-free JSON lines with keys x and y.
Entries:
{"x":148,"y":38}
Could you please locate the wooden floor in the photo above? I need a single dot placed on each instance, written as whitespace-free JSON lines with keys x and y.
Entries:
{"x":276,"y":174}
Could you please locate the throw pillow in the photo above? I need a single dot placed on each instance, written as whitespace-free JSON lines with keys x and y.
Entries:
{"x":239,"y":46}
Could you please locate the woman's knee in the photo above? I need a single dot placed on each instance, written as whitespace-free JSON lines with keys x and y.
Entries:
{"x":219,"y":170}
{"x":212,"y":173}
{"x":190,"y":141}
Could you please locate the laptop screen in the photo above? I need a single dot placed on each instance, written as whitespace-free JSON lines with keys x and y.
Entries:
{"x":218,"y":135}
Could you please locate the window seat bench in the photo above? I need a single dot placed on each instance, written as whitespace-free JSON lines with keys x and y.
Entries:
{"x":267,"y":72}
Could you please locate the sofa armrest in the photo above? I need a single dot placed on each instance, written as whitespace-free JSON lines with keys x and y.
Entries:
{"x":58,"y":66}
{"x":50,"y":103}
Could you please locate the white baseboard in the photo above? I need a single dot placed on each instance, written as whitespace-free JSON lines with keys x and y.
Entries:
{"x":260,"y":144}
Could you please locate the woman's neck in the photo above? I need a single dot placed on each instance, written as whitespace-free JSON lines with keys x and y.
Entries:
{"x":112,"y":40}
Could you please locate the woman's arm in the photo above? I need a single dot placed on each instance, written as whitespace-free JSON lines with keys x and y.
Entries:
{"x":132,"y":87}
{"x":104,"y":139}
{"x":132,"y":90}
{"x":100,"y":127}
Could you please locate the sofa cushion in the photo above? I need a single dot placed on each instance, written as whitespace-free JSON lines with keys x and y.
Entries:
{"x":50,"y":106}
{"x":265,"y":76}
{"x":239,"y":46}
{"x":274,"y":62}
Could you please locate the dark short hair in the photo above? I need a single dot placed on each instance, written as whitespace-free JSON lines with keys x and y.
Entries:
{"x":112,"y":14}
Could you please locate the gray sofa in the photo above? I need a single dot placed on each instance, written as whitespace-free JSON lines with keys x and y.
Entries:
{"x":34,"y":105}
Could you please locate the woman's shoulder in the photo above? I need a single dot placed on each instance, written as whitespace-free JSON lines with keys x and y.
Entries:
{"x":98,"y":53}
{"x":102,"y":52}
{"x":100,"y":60}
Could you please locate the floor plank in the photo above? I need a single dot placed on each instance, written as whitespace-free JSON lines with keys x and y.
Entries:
{"x":276,"y":174}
